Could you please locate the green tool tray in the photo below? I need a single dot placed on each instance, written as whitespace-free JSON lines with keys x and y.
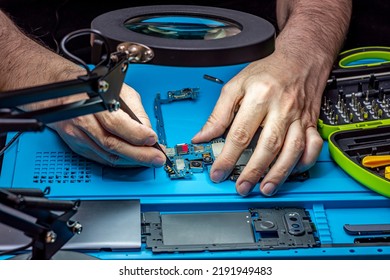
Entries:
{"x":355,"y":102}
{"x":349,"y":147}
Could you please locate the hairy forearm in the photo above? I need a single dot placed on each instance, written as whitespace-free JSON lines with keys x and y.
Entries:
{"x":312,"y":29}
{"x":25,"y":63}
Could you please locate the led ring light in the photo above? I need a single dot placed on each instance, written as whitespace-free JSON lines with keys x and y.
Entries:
{"x":183,"y":35}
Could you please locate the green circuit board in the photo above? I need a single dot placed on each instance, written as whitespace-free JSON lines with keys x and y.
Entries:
{"x":197,"y":158}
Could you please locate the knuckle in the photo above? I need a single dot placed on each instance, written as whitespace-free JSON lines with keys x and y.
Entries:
{"x":83,"y":123}
{"x":227,"y":89}
{"x":225,"y":162}
{"x":68,"y":130}
{"x":135,"y":94}
{"x":215,"y":121}
{"x":241,"y":137}
{"x":254,"y":175}
{"x":80,"y":122}
{"x":298,"y":145}
{"x":111,"y":121}
{"x":128,"y":90}
{"x":291,"y":106}
{"x":263,"y":87}
{"x":281,"y":173}
{"x":108,"y":120}
{"x":228,"y":162}
{"x":278,"y":174}
{"x":317,"y":142}
{"x":111,"y":143}
{"x":273,"y":143}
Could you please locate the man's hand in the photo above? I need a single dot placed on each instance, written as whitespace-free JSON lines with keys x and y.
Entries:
{"x":109,"y":138}
{"x":281,"y":93}
{"x":284,"y":98}
{"x":113,"y":138}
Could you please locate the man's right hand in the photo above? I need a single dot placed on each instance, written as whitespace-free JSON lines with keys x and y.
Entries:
{"x":113,"y":138}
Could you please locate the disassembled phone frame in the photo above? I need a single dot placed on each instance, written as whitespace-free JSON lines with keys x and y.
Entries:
{"x":256,"y":229}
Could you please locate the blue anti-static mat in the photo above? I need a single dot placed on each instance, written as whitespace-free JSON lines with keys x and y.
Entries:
{"x":332,"y":198}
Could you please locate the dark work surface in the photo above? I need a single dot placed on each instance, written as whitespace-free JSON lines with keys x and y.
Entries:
{"x":47,"y":20}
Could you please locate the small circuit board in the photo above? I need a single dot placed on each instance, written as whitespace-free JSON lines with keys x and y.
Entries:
{"x":188,"y":159}
{"x":196,"y":158}
{"x":192,"y":158}
{"x":171,"y":96}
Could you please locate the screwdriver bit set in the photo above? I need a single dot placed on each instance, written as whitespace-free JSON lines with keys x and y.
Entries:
{"x":355,"y":102}
{"x":355,"y":119}
{"x":365,"y":155}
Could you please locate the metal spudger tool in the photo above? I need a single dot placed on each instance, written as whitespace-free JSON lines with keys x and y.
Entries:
{"x":128,"y":111}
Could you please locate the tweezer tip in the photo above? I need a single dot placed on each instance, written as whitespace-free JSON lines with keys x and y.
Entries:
{"x":170,"y":168}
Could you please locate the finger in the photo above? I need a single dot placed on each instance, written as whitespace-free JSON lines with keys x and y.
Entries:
{"x":122,"y":125}
{"x":222,"y":114}
{"x":245,"y":124}
{"x":80,"y":143}
{"x":89,"y":149}
{"x":312,"y":151}
{"x":268,"y":147}
{"x":290,"y":154}
{"x":113,"y":145}
{"x":139,"y":155}
{"x":133,"y":100}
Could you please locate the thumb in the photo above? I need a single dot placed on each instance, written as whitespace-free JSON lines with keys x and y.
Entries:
{"x":222,"y":115}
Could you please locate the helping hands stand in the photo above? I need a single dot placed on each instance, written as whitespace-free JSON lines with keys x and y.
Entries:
{"x":50,"y":231}
{"x":27,"y":210}
{"x":102,"y":85}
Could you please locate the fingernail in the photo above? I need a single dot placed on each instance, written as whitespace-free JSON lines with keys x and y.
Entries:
{"x":158,"y":162}
{"x":217,"y":176}
{"x":150,"y":141}
{"x":245,"y":188}
{"x":196,"y":136}
{"x":269,"y":189}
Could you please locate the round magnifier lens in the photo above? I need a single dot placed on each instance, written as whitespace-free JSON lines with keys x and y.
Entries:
{"x":183,"y":27}
{"x":189,"y":35}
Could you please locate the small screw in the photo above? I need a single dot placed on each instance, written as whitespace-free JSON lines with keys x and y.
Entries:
{"x":103,"y":86}
{"x":114,"y":105}
{"x":124,"y":67}
{"x":77,"y":228}
{"x":148,"y":54}
{"x":51,"y":237}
